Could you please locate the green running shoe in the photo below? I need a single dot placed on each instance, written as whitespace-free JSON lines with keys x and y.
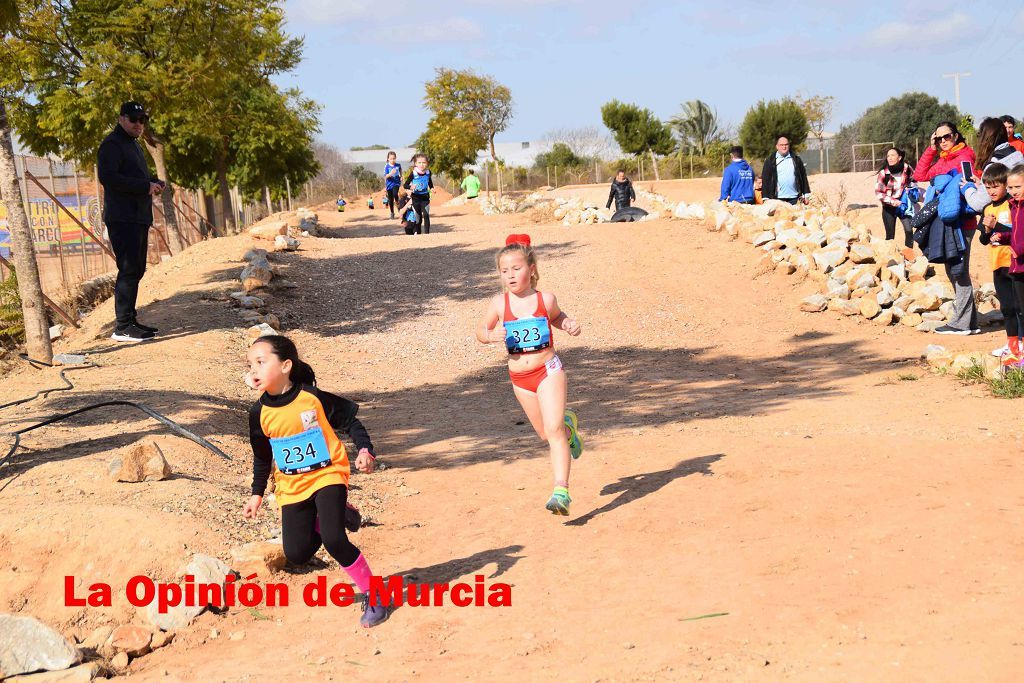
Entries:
{"x":559,"y":502}
{"x":575,"y":442}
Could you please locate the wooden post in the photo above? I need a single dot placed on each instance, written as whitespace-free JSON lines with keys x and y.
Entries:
{"x":78,"y":199}
{"x":288,"y":189}
{"x":60,"y":231}
{"x":548,"y":169}
{"x":691,"y":165}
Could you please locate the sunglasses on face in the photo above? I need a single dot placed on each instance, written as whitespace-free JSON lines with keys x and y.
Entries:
{"x":136,"y":118}
{"x":942,"y":138}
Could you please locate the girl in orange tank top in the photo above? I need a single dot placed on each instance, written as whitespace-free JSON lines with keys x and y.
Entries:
{"x":538,"y":378}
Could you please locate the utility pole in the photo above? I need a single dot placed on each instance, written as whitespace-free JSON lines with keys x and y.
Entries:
{"x":956,"y":85}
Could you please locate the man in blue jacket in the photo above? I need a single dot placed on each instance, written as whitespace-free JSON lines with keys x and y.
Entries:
{"x":738,"y":179}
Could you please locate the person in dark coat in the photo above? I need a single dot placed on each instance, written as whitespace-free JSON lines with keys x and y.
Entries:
{"x":784,"y":175}
{"x":621,"y":191}
{"x":128,"y":191}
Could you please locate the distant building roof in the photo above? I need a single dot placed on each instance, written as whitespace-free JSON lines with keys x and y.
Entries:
{"x":513,"y":153}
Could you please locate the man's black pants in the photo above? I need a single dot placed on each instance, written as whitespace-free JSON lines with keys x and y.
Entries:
{"x":130,"y":242}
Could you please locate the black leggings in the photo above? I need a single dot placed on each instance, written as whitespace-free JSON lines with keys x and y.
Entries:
{"x":300,"y":539}
{"x":889,"y":218}
{"x":392,"y":200}
{"x":1018,"y":291}
{"x":1008,"y":304}
{"x":422,"y":209}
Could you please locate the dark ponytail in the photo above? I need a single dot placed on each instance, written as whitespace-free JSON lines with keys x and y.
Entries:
{"x":284,"y":349}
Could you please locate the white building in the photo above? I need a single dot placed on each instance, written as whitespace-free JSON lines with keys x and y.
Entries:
{"x":513,"y":153}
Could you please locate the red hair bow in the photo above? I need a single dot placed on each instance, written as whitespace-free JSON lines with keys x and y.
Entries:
{"x":522,"y":239}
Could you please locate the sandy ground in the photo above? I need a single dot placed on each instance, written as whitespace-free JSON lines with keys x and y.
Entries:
{"x":847,"y":513}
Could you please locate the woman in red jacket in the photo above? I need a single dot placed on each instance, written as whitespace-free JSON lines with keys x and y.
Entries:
{"x":947,"y":151}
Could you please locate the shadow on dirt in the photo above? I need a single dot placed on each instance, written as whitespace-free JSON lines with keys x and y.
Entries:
{"x":637,"y":486}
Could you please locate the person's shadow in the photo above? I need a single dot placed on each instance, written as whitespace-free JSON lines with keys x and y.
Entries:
{"x":637,"y":486}
{"x":447,"y":572}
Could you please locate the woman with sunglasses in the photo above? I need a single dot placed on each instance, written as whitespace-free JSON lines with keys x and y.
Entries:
{"x":947,"y":151}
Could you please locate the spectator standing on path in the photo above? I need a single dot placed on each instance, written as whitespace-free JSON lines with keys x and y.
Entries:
{"x":895,"y":178}
{"x":471,"y":185}
{"x":784,"y":174}
{"x":738,"y":179}
{"x":392,"y":181}
{"x":944,"y":155}
{"x":128,"y":191}
{"x":1012,"y":136}
{"x":621,"y":191}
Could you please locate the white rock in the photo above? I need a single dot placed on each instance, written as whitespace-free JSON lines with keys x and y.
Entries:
{"x":815,"y":303}
{"x":27,"y":645}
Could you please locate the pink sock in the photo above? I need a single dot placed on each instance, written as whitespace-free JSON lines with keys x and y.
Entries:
{"x":359,"y":572}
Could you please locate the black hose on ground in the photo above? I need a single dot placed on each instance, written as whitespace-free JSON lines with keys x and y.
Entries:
{"x":170,"y":424}
{"x":44,"y":392}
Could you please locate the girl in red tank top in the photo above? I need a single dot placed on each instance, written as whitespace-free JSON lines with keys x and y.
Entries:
{"x":527,"y":318}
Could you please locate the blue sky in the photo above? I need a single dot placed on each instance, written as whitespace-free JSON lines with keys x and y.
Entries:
{"x":366,"y":61}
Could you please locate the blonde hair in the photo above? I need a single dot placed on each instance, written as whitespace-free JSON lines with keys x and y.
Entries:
{"x":528,"y":255}
{"x":1016,"y":170}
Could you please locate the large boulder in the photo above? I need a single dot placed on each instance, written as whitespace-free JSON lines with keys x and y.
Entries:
{"x":269,"y":230}
{"x":27,"y":645}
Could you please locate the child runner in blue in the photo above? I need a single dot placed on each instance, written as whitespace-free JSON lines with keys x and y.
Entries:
{"x":420,"y":183}
{"x":392,"y":181}
{"x":527,"y":317}
{"x":291,"y":429}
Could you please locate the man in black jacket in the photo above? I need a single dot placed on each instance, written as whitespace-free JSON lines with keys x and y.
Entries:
{"x":784,"y":176}
{"x":128,"y":191}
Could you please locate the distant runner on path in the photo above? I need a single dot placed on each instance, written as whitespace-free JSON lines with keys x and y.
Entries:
{"x":471,"y":185}
{"x":392,"y":181}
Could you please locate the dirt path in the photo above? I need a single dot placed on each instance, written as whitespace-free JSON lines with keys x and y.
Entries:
{"x":855,"y":516}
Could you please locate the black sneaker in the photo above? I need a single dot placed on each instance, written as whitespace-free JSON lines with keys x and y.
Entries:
{"x":144,"y":328}
{"x":132,"y":333}
{"x":946,"y":329}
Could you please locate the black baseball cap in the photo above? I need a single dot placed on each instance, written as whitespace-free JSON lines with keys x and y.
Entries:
{"x":134,"y":109}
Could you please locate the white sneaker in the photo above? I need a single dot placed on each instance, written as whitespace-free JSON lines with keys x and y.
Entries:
{"x":1005,"y":348}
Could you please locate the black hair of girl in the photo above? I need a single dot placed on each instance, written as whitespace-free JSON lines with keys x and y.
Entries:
{"x":284,"y":349}
{"x":900,"y":152}
{"x":991,"y":134}
{"x":957,"y":137}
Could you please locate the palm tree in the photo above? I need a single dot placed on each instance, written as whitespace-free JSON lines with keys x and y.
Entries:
{"x":33,"y":307}
{"x":697,"y":126}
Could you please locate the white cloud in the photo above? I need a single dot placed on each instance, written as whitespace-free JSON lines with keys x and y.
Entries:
{"x":427,"y":31}
{"x":954,"y":29}
{"x":328,"y":11}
